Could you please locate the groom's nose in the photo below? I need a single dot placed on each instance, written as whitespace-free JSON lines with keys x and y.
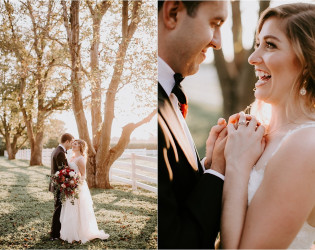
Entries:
{"x":216,"y":40}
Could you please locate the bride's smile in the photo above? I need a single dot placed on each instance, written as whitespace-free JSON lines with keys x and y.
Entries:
{"x":276,"y":64}
{"x":263,"y":77}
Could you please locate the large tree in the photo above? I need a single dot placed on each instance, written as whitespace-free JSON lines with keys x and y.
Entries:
{"x":12,"y":127}
{"x":27,"y":28}
{"x":126,"y":65}
{"x":237,"y":77}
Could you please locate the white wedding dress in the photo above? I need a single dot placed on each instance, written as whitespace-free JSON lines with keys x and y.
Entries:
{"x":306,"y":235}
{"x":78,"y":222}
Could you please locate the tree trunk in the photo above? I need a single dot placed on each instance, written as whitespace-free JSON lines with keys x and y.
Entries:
{"x":96,"y":85}
{"x":102,"y":177}
{"x":37,"y":148}
{"x":73,"y":33}
{"x":36,"y":156}
{"x":11,"y":155}
{"x":238,"y":77}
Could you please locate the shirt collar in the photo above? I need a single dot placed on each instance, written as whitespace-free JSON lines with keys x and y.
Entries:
{"x":165,"y":76}
{"x":63,"y":147}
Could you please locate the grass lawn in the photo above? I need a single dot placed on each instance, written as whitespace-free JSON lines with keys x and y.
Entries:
{"x":26,"y":208}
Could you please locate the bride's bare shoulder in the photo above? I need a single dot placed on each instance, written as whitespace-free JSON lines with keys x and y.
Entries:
{"x":81,"y":161}
{"x":297,"y":151}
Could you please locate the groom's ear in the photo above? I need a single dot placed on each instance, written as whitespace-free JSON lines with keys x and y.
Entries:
{"x":171,"y":10}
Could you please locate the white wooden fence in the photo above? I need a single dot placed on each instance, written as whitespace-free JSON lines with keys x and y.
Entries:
{"x":136,"y":173}
{"x":136,"y":167}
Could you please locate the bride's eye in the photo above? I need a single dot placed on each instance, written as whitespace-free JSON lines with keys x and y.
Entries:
{"x":256,"y":45}
{"x":270,"y":45}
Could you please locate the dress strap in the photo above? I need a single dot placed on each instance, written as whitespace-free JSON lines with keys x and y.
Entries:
{"x":291,"y":132}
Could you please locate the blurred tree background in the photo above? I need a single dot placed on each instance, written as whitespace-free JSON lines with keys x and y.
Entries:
{"x":225,"y":81}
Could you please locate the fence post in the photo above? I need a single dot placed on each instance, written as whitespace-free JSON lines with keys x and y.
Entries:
{"x":133,"y":171}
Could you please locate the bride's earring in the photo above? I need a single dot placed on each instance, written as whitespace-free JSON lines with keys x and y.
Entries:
{"x":303,"y":90}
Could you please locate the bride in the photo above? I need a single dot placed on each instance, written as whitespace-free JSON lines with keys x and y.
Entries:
{"x":274,"y":206}
{"x":78,"y":222}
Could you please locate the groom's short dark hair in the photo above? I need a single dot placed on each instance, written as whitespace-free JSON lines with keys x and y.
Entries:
{"x":66,"y":137}
{"x":191,"y":6}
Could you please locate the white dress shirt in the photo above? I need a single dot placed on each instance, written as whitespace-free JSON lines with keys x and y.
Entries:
{"x":63,"y":147}
{"x":166,"y":79}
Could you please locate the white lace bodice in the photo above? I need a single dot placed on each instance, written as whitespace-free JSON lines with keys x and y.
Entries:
{"x":306,"y":235}
{"x":74,"y":166}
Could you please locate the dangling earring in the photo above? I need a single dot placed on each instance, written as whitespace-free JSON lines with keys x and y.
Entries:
{"x":303,"y":90}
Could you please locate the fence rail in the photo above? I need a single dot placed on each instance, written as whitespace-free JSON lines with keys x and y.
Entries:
{"x":126,"y":169}
{"x":135,"y":179}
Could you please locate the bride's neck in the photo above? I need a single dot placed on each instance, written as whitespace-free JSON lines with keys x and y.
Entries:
{"x":283,"y":119}
{"x":278,"y":118}
{"x":76,"y":154}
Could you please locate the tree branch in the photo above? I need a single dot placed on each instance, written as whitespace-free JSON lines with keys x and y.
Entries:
{"x":66,"y":20}
{"x":124,"y":23}
{"x":135,"y":19}
{"x":124,"y":139}
{"x":89,"y":4}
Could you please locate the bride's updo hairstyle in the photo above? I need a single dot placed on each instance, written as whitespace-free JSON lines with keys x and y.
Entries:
{"x":82,"y":145}
{"x":298,"y":22}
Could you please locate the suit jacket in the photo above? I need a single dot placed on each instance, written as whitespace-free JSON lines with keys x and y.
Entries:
{"x":58,"y":161}
{"x":189,"y":202}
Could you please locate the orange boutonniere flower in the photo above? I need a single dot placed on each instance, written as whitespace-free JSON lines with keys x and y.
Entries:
{"x":184,"y":109}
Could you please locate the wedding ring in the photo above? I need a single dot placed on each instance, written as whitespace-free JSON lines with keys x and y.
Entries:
{"x":242,"y":119}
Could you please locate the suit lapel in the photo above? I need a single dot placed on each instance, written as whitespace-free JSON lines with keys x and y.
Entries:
{"x":168,"y":113}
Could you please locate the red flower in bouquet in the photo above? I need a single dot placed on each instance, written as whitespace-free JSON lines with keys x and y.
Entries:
{"x":67,"y":182}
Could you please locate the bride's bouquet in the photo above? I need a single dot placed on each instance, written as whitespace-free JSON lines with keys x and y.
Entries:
{"x":67,"y":182}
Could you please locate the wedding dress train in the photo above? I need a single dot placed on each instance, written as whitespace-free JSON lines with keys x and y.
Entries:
{"x":306,"y":235}
{"x":78,"y":222}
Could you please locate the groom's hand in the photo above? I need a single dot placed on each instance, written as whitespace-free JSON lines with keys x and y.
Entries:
{"x":211,"y":141}
{"x":218,"y":159}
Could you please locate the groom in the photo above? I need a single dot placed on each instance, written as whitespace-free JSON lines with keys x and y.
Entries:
{"x":190,"y":191}
{"x":58,"y":160}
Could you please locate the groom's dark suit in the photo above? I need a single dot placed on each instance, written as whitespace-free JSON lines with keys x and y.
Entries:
{"x":189,"y":201}
{"x":58,"y":159}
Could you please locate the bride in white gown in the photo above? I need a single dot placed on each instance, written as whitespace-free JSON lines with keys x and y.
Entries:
{"x":78,"y":222}
{"x":274,"y":204}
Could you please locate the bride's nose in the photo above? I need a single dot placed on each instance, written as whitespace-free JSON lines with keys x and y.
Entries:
{"x":255,"y":58}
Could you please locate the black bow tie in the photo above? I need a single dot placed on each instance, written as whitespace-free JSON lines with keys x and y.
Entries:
{"x":181,"y":97}
{"x":177,"y":90}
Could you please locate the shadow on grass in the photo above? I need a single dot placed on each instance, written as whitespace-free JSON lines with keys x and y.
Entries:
{"x":25,"y":220}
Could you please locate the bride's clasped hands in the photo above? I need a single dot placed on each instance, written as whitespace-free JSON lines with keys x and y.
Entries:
{"x":245,"y":142}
